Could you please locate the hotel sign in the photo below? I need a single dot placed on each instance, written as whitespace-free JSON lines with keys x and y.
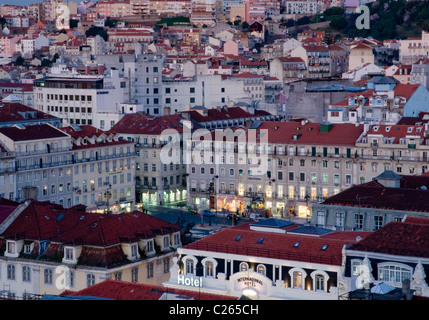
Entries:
{"x":247,"y":282}
{"x":189,"y":281}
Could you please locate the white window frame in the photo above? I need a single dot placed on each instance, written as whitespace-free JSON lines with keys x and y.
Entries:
{"x":325,"y":276}
{"x":396,"y":265}
{"x":67,"y":257}
{"x":303,"y":275}
{"x":194,"y":262}
{"x":209,"y":260}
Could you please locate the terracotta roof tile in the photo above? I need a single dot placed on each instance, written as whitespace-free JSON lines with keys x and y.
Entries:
{"x":278,"y":245}
{"x":121,"y":290}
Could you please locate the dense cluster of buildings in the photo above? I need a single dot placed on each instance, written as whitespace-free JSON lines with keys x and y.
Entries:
{"x":212,"y":104}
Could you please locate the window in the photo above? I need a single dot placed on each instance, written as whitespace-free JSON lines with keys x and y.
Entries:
{"x":69,"y":254}
{"x":166,"y":263}
{"x":189,"y":266}
{"x":26,"y":274}
{"x":135,"y":274}
{"x":118,"y":275}
{"x":319,"y":282}
{"x":378,"y":222}
{"x":358,"y":221}
{"x":48,"y":276}
{"x":134,"y":251}
{"x":149,"y":269}
{"x":10,"y":272}
{"x":209,"y":269}
{"x":356,"y":267}
{"x":321,"y":218}
{"x":261,"y":269}
{"x":339,"y":220}
{"x":10,"y":247}
{"x":244,"y":267}
{"x":394,"y":273}
{"x":297,"y":280}
{"x":90,"y":279}
{"x":149,"y":246}
{"x":166,"y":241}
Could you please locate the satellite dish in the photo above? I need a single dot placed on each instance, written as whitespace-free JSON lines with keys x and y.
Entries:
{"x":6,"y":31}
{"x":423,"y":188}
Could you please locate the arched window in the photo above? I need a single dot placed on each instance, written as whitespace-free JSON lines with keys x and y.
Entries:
{"x":297,"y":276}
{"x":189,"y":266}
{"x":261,"y":269}
{"x":209,"y":267}
{"x":320,"y":280}
{"x":244,"y":267}
{"x":190,"y":263}
{"x":297,"y":279}
{"x":394,"y":272}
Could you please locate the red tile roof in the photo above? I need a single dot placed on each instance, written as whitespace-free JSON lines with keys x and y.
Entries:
{"x":310,"y":134}
{"x":396,"y":132}
{"x":223,"y":114}
{"x":145,"y":124}
{"x":121,"y":290}
{"x":278,"y":245}
{"x":14,"y":112}
{"x":43,"y":221}
{"x":409,"y":238}
{"x":409,"y":197}
{"x":33,"y":132}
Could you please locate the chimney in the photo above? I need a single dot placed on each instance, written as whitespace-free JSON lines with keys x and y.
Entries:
{"x":87,"y":69}
{"x":100,"y":69}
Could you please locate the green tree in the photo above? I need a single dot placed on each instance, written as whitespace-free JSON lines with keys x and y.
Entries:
{"x":19,"y":61}
{"x":94,"y":30}
{"x":334,"y":11}
{"x":338,"y":23}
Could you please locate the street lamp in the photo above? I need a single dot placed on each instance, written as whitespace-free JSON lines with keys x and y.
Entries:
{"x":107,"y":196}
{"x":215,"y":197}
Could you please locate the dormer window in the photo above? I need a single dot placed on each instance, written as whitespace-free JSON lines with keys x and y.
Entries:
{"x":134,"y":251}
{"x":69,"y":254}
{"x":166,"y":241}
{"x":11,"y":247}
{"x":149,"y":246}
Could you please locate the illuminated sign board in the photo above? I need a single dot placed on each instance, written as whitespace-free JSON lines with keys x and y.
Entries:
{"x":190,"y":282}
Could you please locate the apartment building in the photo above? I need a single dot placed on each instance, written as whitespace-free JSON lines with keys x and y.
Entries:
{"x":103,"y":170}
{"x":47,"y":249}
{"x":78,"y":98}
{"x":288,"y":69}
{"x":160,"y":172}
{"x":303,"y":7}
{"x":317,"y":60}
{"x":42,"y":163}
{"x":385,"y":101}
{"x":413,"y":49}
{"x":145,"y":72}
{"x":300,"y":163}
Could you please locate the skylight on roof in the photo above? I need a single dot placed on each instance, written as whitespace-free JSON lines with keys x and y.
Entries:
{"x":238,"y":238}
{"x":260,"y":240}
{"x":324,"y":247}
{"x":296,"y":244}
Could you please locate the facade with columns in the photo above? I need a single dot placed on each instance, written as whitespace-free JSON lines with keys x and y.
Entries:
{"x":270,"y":259}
